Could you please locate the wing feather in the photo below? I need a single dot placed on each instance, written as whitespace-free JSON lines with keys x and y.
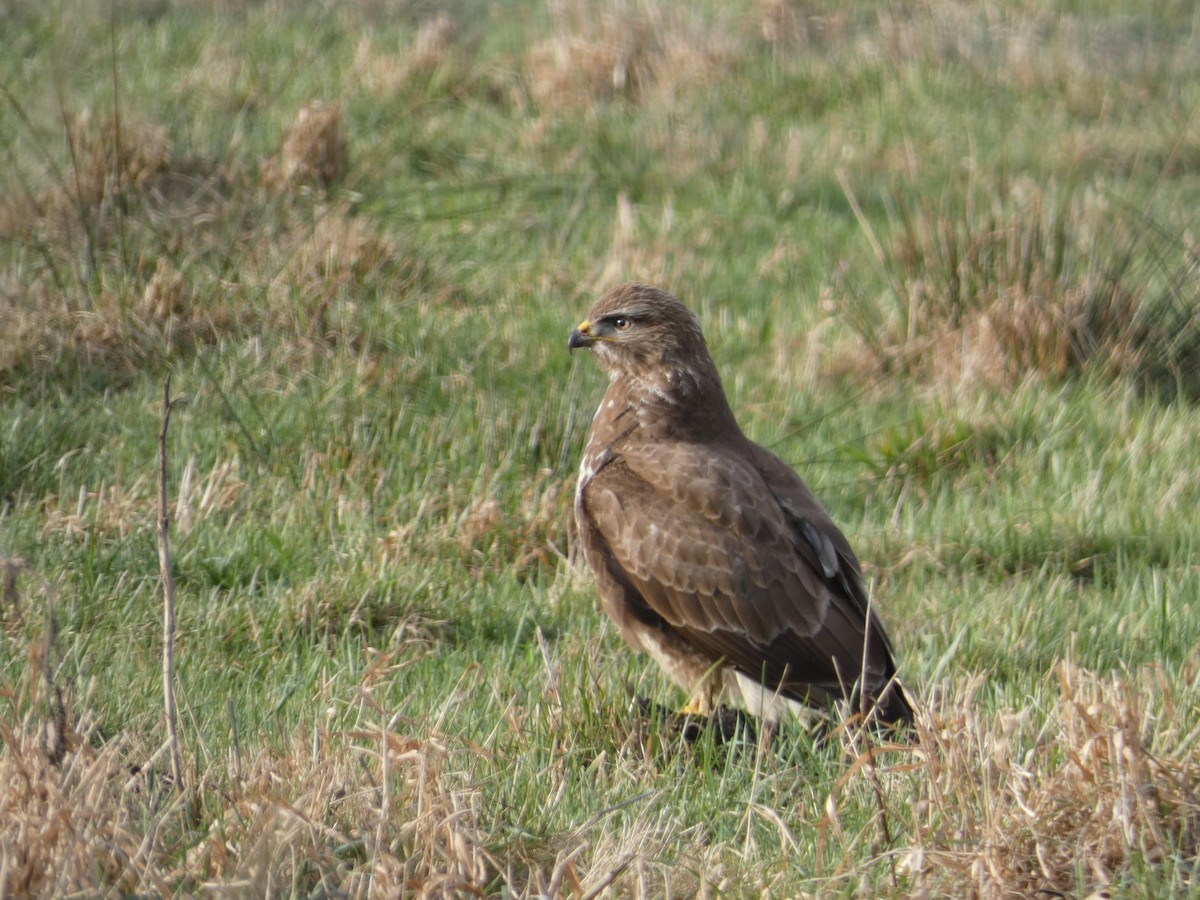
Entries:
{"x":769,"y":585}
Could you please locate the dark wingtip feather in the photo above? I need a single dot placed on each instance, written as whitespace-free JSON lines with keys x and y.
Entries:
{"x":893,"y":707}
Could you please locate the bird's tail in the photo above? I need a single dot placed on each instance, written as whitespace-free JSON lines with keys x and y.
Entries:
{"x":890,"y":708}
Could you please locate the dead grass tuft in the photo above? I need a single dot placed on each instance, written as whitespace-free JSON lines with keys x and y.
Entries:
{"x":41,"y":325}
{"x":1013,"y":286}
{"x":438,"y":55}
{"x":365,"y":812}
{"x":599,"y":53}
{"x":62,"y":827}
{"x":111,"y":509}
{"x":790,"y":24}
{"x":635,"y":255}
{"x":531,"y":535}
{"x":167,"y":294}
{"x":119,"y":155}
{"x":313,"y":152}
{"x":29,"y":311}
{"x":315,"y":271}
{"x":1007,"y":806}
{"x":110,"y":163}
{"x":201,"y":496}
{"x":119,"y":334}
{"x":372,"y":810}
{"x":340,"y":249}
{"x":74,"y":294}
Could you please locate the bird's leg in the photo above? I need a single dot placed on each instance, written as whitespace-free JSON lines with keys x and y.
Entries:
{"x":697,"y":706}
{"x":705,"y":695}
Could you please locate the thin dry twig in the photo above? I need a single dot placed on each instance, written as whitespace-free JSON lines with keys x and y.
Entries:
{"x":164,"y":565}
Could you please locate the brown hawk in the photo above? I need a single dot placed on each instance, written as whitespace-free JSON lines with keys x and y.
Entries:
{"x":708,"y":551}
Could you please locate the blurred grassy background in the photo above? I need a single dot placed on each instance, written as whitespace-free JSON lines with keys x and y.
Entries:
{"x":944,"y":257}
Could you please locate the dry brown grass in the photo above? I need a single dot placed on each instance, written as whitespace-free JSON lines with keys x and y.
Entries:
{"x":642,"y":249}
{"x":1014,"y":286}
{"x":365,"y":813}
{"x":73,"y":294}
{"x":1006,"y":805}
{"x":119,"y":155}
{"x":795,"y":24}
{"x":29,"y":312}
{"x":630,"y":256}
{"x":40,"y":324}
{"x":338,"y":250}
{"x":1028,"y":47}
{"x":167,"y":294}
{"x":440,"y":55}
{"x":534,"y":534}
{"x":122,"y":508}
{"x":61,"y":831}
{"x":116,"y":510}
{"x":1095,"y":792}
{"x":643,"y":52}
{"x":307,"y":279}
{"x":313,"y":153}
{"x":78,"y":300}
{"x":304,"y":267}
{"x":110,"y":162}
{"x":373,"y":810}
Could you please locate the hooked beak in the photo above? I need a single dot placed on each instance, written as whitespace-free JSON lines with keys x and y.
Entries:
{"x":582,"y":336}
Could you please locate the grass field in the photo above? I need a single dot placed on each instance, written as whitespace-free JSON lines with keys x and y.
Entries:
{"x":945,"y":255}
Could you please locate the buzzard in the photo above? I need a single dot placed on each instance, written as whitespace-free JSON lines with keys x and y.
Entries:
{"x":708,"y":551}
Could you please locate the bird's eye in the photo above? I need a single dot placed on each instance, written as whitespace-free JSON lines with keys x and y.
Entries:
{"x":621,"y":323}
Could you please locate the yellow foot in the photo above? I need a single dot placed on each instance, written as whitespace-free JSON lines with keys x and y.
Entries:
{"x":695,"y":707}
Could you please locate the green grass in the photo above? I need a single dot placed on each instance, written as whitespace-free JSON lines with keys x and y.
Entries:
{"x":371,"y":479}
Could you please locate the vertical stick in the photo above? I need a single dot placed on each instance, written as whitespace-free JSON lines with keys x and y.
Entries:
{"x":164,"y":566}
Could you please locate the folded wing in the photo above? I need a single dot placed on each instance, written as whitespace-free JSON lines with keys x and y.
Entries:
{"x":743,"y":564}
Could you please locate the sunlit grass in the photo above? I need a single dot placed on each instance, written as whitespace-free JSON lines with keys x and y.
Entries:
{"x":357,"y":239}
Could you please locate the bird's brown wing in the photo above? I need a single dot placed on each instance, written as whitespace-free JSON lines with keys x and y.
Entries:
{"x":702,"y":538}
{"x":805,"y":513}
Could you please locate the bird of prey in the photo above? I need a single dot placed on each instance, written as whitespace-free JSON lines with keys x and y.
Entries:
{"x":708,"y":551}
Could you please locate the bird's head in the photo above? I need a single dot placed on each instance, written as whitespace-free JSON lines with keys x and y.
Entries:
{"x":647,"y":335}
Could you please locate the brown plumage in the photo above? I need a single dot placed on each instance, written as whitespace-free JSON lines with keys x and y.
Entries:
{"x":708,"y":551}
